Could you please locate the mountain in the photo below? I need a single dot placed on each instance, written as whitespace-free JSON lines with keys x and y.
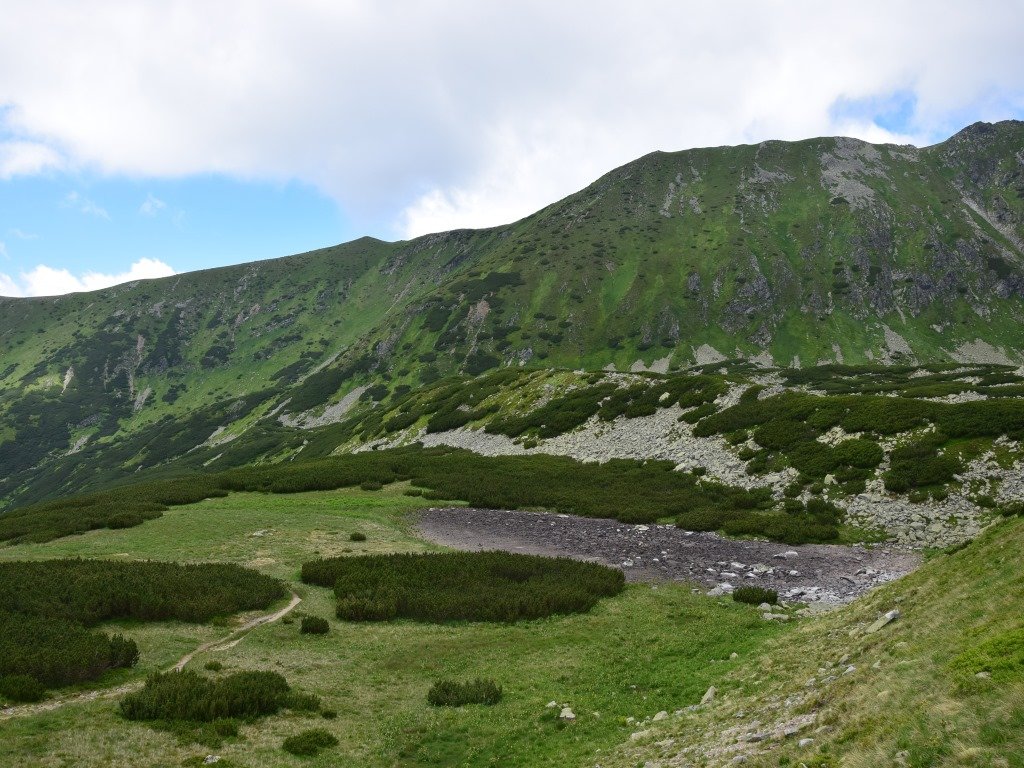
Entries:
{"x":784,"y":253}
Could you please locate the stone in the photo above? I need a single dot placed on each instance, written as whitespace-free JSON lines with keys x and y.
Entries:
{"x":983,"y":675}
{"x":734,"y":655}
{"x":709,"y":696}
{"x":636,"y":736}
{"x":567,"y":714}
{"x":211,"y":759}
{"x":660,"y":716}
{"x":805,"y":743}
{"x":883,"y":620}
{"x":552,"y":704}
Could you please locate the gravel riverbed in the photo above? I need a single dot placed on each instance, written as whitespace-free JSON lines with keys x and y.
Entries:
{"x":825,"y":574}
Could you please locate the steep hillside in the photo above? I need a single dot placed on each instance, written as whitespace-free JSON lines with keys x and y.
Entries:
{"x":941,"y":685}
{"x":786,"y":253}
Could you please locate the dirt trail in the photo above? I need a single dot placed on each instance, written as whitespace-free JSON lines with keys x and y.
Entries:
{"x":228,"y":641}
{"x":825,"y":574}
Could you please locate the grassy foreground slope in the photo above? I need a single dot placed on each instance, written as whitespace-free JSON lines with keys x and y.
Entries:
{"x":941,"y":686}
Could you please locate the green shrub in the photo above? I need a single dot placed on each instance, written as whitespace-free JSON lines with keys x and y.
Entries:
{"x":309,"y":743}
{"x":1012,"y":509}
{"x":370,"y":485}
{"x":702,"y":519}
{"x":368,"y":607}
{"x":314,"y":625}
{"x":213,"y":666}
{"x":91,"y":591}
{"x":792,"y":490}
{"x":357,"y":536}
{"x":473,"y":586}
{"x":21,"y":688}
{"x":451,"y":693}
{"x":919,"y":464}
{"x":782,"y":433}
{"x":191,"y":697}
{"x":46,"y":607}
{"x":328,"y":714}
{"x":755,"y":595}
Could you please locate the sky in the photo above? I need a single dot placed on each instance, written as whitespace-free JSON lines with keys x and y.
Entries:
{"x":139,"y":139}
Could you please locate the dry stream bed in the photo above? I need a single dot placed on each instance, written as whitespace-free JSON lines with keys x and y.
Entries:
{"x":823,"y":574}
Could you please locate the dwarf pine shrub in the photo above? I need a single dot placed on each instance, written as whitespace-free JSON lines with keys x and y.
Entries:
{"x":314,"y":625}
{"x":472,"y":586}
{"x":309,"y":743}
{"x":755,"y":595}
{"x":21,"y":688}
{"x":451,"y":693}
{"x":189,"y":696}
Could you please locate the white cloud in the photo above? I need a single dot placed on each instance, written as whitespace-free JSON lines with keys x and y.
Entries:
{"x":47,"y":281}
{"x":152,"y":205}
{"x":418,"y":116}
{"x":26,"y":158}
{"x":22,"y":234}
{"x":84,"y":205}
{"x":8,"y":287}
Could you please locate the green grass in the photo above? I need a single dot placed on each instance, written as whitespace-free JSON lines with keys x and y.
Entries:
{"x":296,"y":527}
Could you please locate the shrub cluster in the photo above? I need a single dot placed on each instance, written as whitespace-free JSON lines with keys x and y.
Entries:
{"x":309,"y":743}
{"x":53,"y":651}
{"x":755,"y":595}
{"x":91,"y":591}
{"x":920,"y":464}
{"x":471,"y":586}
{"x":627,"y":490}
{"x":314,"y":625}
{"x":192,"y":697}
{"x":47,"y":607}
{"x":451,"y":693}
{"x":816,"y":522}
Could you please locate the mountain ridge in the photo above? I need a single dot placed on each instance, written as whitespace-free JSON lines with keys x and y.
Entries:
{"x":826,"y":250}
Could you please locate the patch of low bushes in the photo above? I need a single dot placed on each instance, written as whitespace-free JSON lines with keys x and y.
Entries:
{"x":468,"y":586}
{"x":309,"y":743}
{"x":314,"y":625}
{"x":920,"y":464}
{"x":47,"y":609}
{"x":755,"y":595}
{"x":188,"y":696}
{"x":21,"y":688}
{"x":451,"y":693}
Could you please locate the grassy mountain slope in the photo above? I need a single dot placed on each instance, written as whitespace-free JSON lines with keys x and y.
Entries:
{"x":826,"y":249}
{"x":941,"y":686}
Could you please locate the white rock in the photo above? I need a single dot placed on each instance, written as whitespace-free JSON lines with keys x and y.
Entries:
{"x":881,"y":621}
{"x":660,"y":716}
{"x":567,"y":714}
{"x":709,"y":696}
